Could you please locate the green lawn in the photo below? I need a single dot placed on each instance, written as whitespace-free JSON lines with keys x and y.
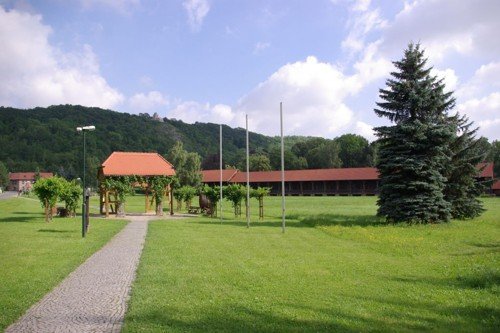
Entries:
{"x":35,"y":256}
{"x":337,"y":268}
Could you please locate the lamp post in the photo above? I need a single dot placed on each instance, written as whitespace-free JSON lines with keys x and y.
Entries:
{"x":84,"y":129}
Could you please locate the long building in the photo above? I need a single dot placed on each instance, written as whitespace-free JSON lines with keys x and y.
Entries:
{"x":341,"y":181}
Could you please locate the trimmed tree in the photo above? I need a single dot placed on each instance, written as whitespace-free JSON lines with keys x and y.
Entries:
{"x":121,"y":185}
{"x":213,"y":195}
{"x":48,"y":190}
{"x":235,"y":193}
{"x":259,"y":193}
{"x":413,"y":153}
{"x":70,"y":195}
{"x":159,"y":187}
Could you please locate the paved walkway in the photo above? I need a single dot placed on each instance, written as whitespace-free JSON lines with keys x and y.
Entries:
{"x":8,"y":195}
{"x":94,"y":297}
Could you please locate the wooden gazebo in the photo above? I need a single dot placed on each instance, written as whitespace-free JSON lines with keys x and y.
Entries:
{"x":132,"y":164}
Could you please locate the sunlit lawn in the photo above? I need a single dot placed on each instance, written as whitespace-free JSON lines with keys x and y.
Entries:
{"x":337,"y":268}
{"x":35,"y":256}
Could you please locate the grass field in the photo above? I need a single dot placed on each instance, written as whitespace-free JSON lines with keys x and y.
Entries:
{"x":35,"y":256}
{"x":337,"y":268}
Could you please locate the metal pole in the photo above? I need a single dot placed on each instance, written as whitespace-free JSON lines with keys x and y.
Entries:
{"x":248,"y":178}
{"x":282,"y":171}
{"x":220,"y":165}
{"x":83,"y":197}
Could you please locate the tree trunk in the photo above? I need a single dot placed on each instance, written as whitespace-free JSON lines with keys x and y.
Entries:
{"x":120,"y":209}
{"x":159,"y":208}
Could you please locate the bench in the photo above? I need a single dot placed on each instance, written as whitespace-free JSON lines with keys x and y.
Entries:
{"x":194,"y":210}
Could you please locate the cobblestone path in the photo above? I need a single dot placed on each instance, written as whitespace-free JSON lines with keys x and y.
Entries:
{"x":94,"y":297}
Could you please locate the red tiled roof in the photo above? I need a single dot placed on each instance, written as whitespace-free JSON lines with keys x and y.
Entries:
{"x":309,"y":175}
{"x":213,"y":176}
{"x":496,"y":185}
{"x":487,"y":172}
{"x":140,"y":164}
{"x":28,"y":175}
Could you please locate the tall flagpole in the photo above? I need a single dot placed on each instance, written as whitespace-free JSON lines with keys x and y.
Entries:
{"x":220,"y":165}
{"x":282,"y":171}
{"x":248,"y":179}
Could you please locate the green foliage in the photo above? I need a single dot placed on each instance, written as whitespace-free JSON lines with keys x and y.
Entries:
{"x":70,"y":194}
{"x":48,"y":191}
{"x":235,"y":193}
{"x":188,"y":193}
{"x":462,"y":190}
{"x":4,"y":176}
{"x":414,"y":153}
{"x":494,"y":156}
{"x":411,"y":180}
{"x":355,"y":151}
{"x":260,"y":192}
{"x":159,"y":184}
{"x":122,"y":185}
{"x":187,"y":165}
{"x":258,"y":162}
{"x":213,"y":194}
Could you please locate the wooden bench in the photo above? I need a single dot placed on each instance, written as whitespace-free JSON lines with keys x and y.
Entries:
{"x":194,"y":210}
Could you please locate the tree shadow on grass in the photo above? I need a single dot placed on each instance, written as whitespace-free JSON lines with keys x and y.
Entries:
{"x":255,"y":223}
{"x":485,"y":279}
{"x":56,"y":231}
{"x":24,"y":218}
{"x":325,"y":220}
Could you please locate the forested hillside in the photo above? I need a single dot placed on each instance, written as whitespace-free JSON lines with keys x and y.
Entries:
{"x":46,"y":139}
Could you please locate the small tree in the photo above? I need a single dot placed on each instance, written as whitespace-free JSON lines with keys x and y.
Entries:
{"x":121,"y":185}
{"x":159,"y":185}
{"x":70,"y":194}
{"x":188,"y":193}
{"x":213,"y":194}
{"x":4,"y":176}
{"x":48,"y":190}
{"x":259,"y":193}
{"x":235,"y":193}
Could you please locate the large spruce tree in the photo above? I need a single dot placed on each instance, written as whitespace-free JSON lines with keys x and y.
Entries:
{"x":415,"y":151}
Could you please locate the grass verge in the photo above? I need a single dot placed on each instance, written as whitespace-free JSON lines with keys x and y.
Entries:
{"x":337,"y":268}
{"x":35,"y":256}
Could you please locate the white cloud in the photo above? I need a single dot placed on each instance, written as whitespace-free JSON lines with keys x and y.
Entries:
{"x":450,"y":78}
{"x":485,"y":80}
{"x":365,"y":130}
{"x":151,"y":100}
{"x":34,"y":73}
{"x":485,"y":112}
{"x":260,"y":46}
{"x":466,"y":27}
{"x":121,"y":6}
{"x":191,"y":112}
{"x":312,"y":93}
{"x":196,"y":11}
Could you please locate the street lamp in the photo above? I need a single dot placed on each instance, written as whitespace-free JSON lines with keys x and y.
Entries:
{"x":84,"y":129}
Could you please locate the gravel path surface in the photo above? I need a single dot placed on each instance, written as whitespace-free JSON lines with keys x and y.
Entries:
{"x":94,"y":297}
{"x":8,"y":195}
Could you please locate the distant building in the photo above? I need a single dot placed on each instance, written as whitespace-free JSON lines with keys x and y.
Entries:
{"x":340,"y":181}
{"x":23,"y":181}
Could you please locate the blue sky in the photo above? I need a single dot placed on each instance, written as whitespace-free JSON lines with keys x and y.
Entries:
{"x":217,"y":60}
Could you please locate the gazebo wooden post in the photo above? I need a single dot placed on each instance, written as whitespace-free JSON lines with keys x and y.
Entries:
{"x":147,"y":200}
{"x":171,"y":195}
{"x":106,"y":202}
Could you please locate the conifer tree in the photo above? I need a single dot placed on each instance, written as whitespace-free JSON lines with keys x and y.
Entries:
{"x":462,"y":190}
{"x":414,"y":151}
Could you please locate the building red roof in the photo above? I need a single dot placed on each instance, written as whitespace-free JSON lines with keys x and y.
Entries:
{"x":140,"y":164}
{"x":28,"y":175}
{"x":213,"y":176}
{"x":496,"y":185}
{"x":487,"y":172}
{"x":309,"y":175}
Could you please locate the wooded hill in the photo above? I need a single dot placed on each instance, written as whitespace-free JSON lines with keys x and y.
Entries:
{"x":46,"y":138}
